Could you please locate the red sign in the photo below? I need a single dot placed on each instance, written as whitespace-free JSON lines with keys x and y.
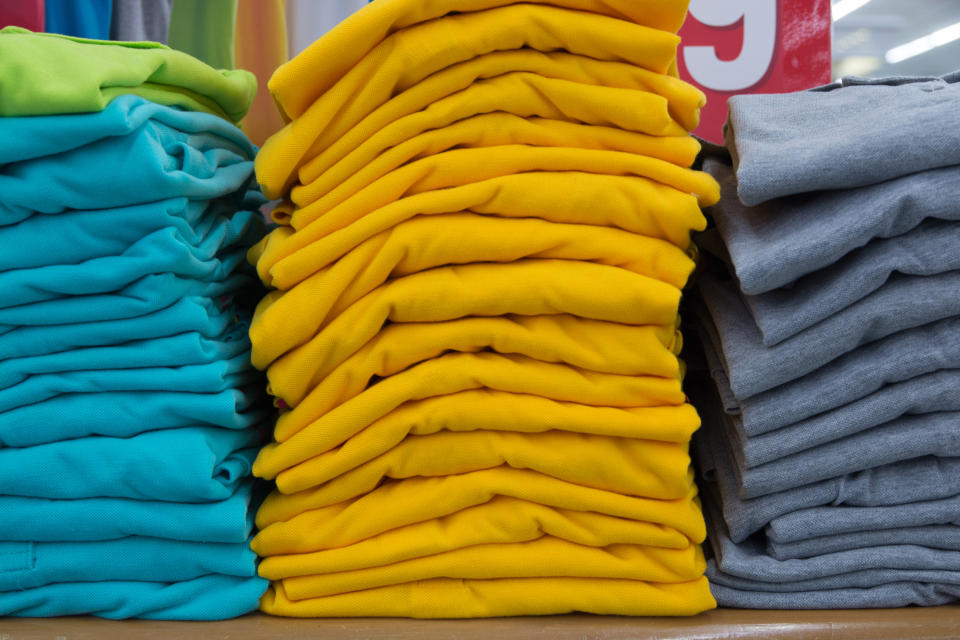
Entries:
{"x":753,"y":46}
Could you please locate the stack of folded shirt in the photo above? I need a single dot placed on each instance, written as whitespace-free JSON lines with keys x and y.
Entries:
{"x":474,"y":329}
{"x":836,"y":348}
{"x":130,"y":415}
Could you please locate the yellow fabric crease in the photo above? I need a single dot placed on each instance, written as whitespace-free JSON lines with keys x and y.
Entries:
{"x":308,"y":430}
{"x":623,"y":465}
{"x":414,"y":246}
{"x":637,"y":205}
{"x":546,"y":557}
{"x":451,"y":598}
{"x":332,"y":143}
{"x":300,"y":82}
{"x":501,"y":520}
{"x":607,"y":347}
{"x":296,"y":524}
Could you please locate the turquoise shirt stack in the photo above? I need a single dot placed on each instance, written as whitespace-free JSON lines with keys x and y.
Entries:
{"x":129,"y":411}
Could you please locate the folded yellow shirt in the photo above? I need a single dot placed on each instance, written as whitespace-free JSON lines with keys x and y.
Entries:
{"x":624,"y":465}
{"x":607,"y":347}
{"x":637,"y":205}
{"x":415,"y":245}
{"x":486,"y":410}
{"x":501,"y":520}
{"x":382,"y":154}
{"x":519,"y":93}
{"x":496,"y":410}
{"x":525,"y":287}
{"x":301,"y":81}
{"x":291,"y":524}
{"x":450,"y":598}
{"x":543,"y":558}
{"x":305,"y":432}
{"x":464,"y":166}
{"x":333,"y":142}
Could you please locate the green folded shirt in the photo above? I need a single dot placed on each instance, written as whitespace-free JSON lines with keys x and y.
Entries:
{"x":81,"y":75}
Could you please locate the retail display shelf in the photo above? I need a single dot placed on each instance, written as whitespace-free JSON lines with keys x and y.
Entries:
{"x":913,"y":623}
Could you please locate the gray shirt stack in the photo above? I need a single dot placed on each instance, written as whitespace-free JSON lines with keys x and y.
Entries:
{"x":830,"y":326}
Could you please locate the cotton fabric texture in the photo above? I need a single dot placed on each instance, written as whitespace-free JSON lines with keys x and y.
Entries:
{"x":131,"y":414}
{"x":828,"y":326}
{"x":473,"y":332}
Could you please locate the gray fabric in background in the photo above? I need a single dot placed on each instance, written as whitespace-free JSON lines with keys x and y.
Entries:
{"x":776,"y":243}
{"x":898,"y":594}
{"x":945,"y":537}
{"x":922,"y":479}
{"x":832,"y":520}
{"x":139,"y":20}
{"x":929,"y":393}
{"x":906,"y":438}
{"x":902,"y":303}
{"x":929,"y":249}
{"x":851,"y":134}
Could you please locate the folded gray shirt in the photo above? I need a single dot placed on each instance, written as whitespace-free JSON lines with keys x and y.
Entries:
{"x":835,"y":519}
{"x":897,"y":594}
{"x":746,"y":565}
{"x":918,"y":480}
{"x":929,"y":249}
{"x":902,"y":303}
{"x":848,"y":134}
{"x":944,"y":536}
{"x":908,"y":437}
{"x":776,"y":243}
{"x":929,"y":393}
{"x":897,"y":358}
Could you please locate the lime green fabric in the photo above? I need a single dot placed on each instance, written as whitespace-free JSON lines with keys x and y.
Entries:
{"x":75,"y":75}
{"x":204,"y":29}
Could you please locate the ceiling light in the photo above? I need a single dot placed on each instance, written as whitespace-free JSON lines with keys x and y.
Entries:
{"x":924,"y":44}
{"x":846,"y":7}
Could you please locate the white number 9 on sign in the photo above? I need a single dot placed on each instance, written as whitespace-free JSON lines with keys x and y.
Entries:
{"x":759,"y":42}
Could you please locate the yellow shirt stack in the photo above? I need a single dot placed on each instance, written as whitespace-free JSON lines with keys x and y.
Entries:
{"x":473,"y":333}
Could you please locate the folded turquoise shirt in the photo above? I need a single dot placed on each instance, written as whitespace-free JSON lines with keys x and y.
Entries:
{"x":147,"y":295}
{"x":28,"y":137}
{"x":126,"y":413}
{"x":81,"y":235}
{"x":218,"y":254}
{"x":199,"y":464}
{"x":28,"y":565}
{"x":173,"y":351}
{"x":213,"y":597}
{"x":204,"y":316}
{"x":212,"y":377}
{"x":45,"y":520}
{"x":170,"y":163}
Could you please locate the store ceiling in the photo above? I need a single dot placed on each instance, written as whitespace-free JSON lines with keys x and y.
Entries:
{"x":862,"y":38}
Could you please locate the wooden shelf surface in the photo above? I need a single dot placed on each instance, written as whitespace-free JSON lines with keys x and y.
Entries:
{"x":913,"y":623}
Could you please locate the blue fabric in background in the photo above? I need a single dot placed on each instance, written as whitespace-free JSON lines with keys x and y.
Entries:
{"x":126,"y":413}
{"x":28,"y":565}
{"x":47,"y":520}
{"x":79,"y":18}
{"x":199,"y":464}
{"x":213,"y":597}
